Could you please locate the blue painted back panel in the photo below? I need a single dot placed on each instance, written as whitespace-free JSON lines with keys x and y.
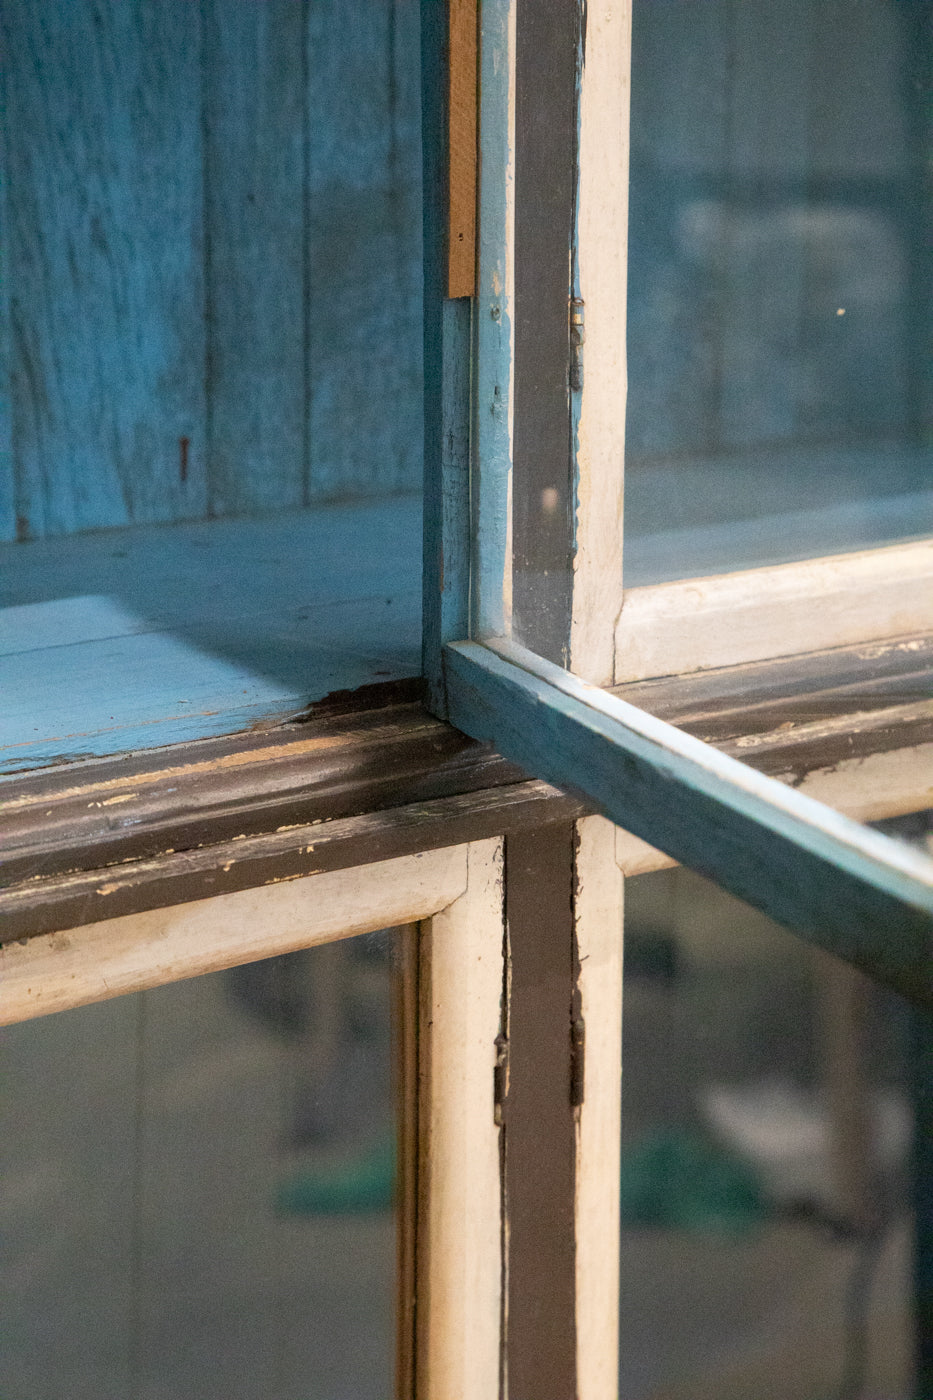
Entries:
{"x":213,"y":253}
{"x":105,"y":260}
{"x":256,"y":274}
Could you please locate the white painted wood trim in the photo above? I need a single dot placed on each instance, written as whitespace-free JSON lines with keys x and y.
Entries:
{"x":701,"y":623}
{"x":866,"y":789}
{"x":602,"y":225}
{"x":598,"y":918}
{"x":491,"y":490}
{"x":56,"y":971}
{"x":459,"y":1247}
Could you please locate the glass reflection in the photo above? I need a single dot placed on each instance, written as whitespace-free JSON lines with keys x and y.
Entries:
{"x":780,"y":367}
{"x":766,"y":1200}
{"x":197,"y":1188}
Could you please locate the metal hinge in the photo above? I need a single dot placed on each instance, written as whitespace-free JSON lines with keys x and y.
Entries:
{"x":577,"y":1058}
{"x":500,"y":1078}
{"x":577,"y":337}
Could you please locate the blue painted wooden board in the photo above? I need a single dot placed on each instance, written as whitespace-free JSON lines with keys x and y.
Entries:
{"x":104,"y":259}
{"x":848,"y":889}
{"x":212,"y":258}
{"x":365,"y":423}
{"x":129,"y":638}
{"x":257,"y":265}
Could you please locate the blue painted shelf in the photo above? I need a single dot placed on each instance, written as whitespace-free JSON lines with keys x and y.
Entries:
{"x":115,"y":640}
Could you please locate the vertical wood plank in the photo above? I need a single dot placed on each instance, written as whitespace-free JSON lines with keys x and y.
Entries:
{"x":105,"y":261}
{"x":365,"y":296}
{"x":255,"y":89}
{"x":7,"y":483}
{"x":540,"y":1124}
{"x":598,"y":924}
{"x":598,"y":405}
{"x":459,"y":1239}
{"x":494,"y":332}
{"x":545,"y":180}
{"x":447,"y":332}
{"x":461,"y":226}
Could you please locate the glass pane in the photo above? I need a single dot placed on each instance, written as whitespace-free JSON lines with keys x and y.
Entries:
{"x":210,"y":466}
{"x":766,"y":1192}
{"x":197,"y":1188}
{"x":779,"y":355}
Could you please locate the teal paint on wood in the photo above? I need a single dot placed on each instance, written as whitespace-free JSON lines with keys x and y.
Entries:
{"x":255,"y":89}
{"x":448,"y":347}
{"x":7,"y":485}
{"x":154,"y":635}
{"x":363,"y":194}
{"x":213,"y":256}
{"x":847,"y":889}
{"x":105,"y":260}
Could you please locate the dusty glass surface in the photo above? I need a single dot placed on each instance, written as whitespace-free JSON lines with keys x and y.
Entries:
{"x":211,"y":416}
{"x":780,"y":362}
{"x":767,"y":1231}
{"x":196,"y":1188}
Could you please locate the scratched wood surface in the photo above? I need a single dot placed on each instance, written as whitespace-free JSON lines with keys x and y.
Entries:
{"x":212,"y":259}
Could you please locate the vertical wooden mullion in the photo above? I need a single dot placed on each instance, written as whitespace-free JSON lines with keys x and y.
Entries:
{"x":540,"y":1341}
{"x":447,"y":351}
{"x":462,"y":125}
{"x":459,"y":1243}
{"x":405,"y":1038}
{"x":542,"y":499}
{"x":598,"y":909}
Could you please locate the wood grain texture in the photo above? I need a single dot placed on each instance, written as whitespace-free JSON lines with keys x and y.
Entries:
{"x":364,"y":247}
{"x":598,"y":406}
{"x":695,"y":624}
{"x":460,"y":1260}
{"x":152,"y":636}
{"x":540,"y":1126}
{"x":493,"y":379}
{"x":546,"y":52}
{"x":247,"y":862}
{"x":105,"y":261}
{"x":462,"y":116}
{"x":446,"y":358}
{"x":363,"y":754}
{"x":257,"y":270}
{"x":447,"y":527}
{"x":849,"y":890}
{"x":146,"y":949}
{"x":213,"y":259}
{"x":598,"y":923}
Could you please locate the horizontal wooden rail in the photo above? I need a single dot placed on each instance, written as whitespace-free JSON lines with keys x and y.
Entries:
{"x":849,"y":890}
{"x":376,"y":776}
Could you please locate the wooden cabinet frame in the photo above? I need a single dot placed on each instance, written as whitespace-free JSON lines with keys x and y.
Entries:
{"x":244,"y":847}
